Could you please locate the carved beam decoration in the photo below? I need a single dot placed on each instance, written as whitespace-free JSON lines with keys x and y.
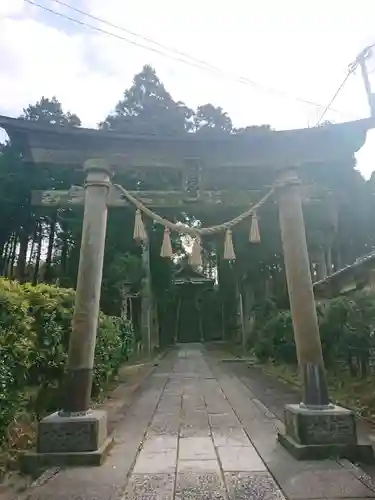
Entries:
{"x":75,"y":197}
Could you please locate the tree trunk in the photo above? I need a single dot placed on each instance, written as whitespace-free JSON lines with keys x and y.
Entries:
{"x":338,"y":263}
{"x":39,"y":252}
{"x":13,"y":256}
{"x":51,"y":240}
{"x":248,"y":302}
{"x":329,"y":260}
{"x":351,"y":365}
{"x":5,"y":257}
{"x":33,"y":241}
{"x":21,"y":264}
{"x":64,"y":256}
{"x":3,"y":254}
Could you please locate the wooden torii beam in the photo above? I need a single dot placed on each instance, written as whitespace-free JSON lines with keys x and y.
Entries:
{"x":163,"y":199}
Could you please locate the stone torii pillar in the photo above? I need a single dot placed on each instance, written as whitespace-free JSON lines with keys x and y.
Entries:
{"x":301,"y":296}
{"x":314,"y":428}
{"x":86,"y":309}
{"x":76,"y":434}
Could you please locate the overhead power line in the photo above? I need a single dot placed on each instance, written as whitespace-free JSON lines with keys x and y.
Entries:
{"x":133,"y":33}
{"x":351,"y":70}
{"x":184,"y":54}
{"x":100,"y":30}
{"x":197,"y":63}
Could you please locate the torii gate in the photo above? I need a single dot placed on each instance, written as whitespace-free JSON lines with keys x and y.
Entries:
{"x":315,"y":428}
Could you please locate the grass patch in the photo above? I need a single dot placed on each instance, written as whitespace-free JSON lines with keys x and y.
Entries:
{"x":353,"y":393}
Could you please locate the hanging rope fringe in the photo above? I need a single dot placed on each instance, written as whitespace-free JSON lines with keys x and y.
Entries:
{"x":228,"y":246}
{"x":196,"y":256}
{"x":166,"y":248}
{"x":179,"y":228}
{"x":196,"y":253}
{"x":254,"y":229}
{"x":139,"y":233}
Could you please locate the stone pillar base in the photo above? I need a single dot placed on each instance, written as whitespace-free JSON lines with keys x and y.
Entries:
{"x":319,"y":434}
{"x":70,"y":440}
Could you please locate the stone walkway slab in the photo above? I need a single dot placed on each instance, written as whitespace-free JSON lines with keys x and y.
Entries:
{"x":197,"y":432}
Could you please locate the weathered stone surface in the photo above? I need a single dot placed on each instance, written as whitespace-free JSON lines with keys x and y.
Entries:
{"x":191,"y":430}
{"x":361,"y":452}
{"x":358,"y":473}
{"x":199,"y":486}
{"x":331,"y":426}
{"x":34,"y":461}
{"x":158,"y":443}
{"x":198,"y":466}
{"x":156,"y":199}
{"x":72,"y":434}
{"x":337,"y":483}
{"x":150,"y":487}
{"x":196,"y":448}
{"x":230,"y":437}
{"x":257,"y":486}
{"x":156,"y":463}
{"x":191,"y":401}
{"x":165,"y":424}
{"x":223,"y":420}
{"x":218,"y":406}
{"x":240,"y":458}
{"x":168,"y":404}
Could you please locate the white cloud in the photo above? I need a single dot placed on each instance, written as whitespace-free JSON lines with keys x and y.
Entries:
{"x":11,"y":7}
{"x":39,"y":60}
{"x":301,"y":48}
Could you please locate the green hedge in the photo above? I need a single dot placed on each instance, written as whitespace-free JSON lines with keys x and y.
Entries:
{"x":347,"y":330}
{"x":35,"y":324}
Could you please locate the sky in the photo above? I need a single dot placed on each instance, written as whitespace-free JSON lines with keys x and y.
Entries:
{"x":292,"y":49}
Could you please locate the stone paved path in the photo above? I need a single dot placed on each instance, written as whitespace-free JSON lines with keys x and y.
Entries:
{"x":196,"y":432}
{"x":195,"y":445}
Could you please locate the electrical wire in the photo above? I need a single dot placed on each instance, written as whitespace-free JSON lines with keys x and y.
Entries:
{"x":100,"y":30}
{"x":194,"y":62}
{"x":350,"y":71}
{"x":145,"y":38}
{"x":184,"y":54}
{"x":365,"y":53}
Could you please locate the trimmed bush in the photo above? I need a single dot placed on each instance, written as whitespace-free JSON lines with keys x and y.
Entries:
{"x":35,"y":324}
{"x":347,"y":326}
{"x":275,"y":339}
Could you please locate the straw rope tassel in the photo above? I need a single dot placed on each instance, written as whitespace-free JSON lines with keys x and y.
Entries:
{"x":254,"y":229}
{"x":196,"y":253}
{"x":166,"y":248}
{"x":228,"y":246}
{"x":139,"y":233}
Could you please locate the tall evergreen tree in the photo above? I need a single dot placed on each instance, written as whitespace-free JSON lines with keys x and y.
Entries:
{"x":50,"y":111}
{"x":209,"y":118}
{"x":148,"y":108}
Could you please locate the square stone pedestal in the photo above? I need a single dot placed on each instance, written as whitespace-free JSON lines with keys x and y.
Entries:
{"x":70,"y":440}
{"x":318,"y":434}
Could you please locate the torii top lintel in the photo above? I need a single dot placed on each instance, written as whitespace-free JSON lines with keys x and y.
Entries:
{"x":275,"y":149}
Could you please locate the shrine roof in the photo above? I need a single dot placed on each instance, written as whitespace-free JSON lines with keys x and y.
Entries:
{"x":65,"y":145}
{"x":188,"y":275}
{"x":344,"y":276}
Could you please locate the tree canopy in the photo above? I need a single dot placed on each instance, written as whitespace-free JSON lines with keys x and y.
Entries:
{"x":50,"y":111}
{"x":148,"y":108}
